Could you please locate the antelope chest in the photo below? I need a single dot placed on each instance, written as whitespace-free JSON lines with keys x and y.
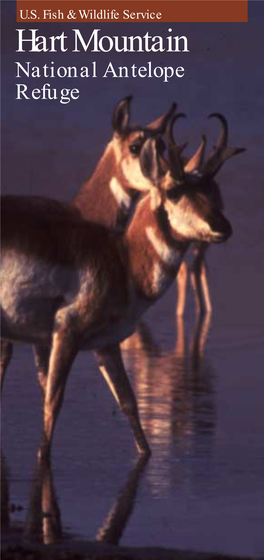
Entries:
{"x":120,"y":321}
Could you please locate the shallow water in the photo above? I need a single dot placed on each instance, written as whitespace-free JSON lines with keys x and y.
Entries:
{"x":200,"y":387}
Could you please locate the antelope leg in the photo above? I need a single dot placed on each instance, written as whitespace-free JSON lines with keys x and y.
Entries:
{"x":200,"y":283}
{"x":205,"y":287}
{"x":41,"y":356}
{"x":6,"y":355}
{"x":111,"y":366}
{"x":63,"y":352}
{"x":182,"y":278}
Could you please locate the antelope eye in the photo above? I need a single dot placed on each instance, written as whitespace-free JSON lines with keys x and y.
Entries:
{"x":175,"y":193}
{"x":135,"y":149}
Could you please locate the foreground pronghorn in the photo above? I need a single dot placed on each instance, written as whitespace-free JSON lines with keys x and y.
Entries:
{"x":108,"y":197}
{"x":73,"y":285}
{"x":196,"y":165}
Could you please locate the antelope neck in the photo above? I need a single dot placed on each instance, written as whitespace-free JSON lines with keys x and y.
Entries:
{"x":154,"y":256}
{"x":106,"y":198}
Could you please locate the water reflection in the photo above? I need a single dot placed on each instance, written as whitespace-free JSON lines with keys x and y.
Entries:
{"x":5,"y":518}
{"x":43,"y":518}
{"x":175,"y":394}
{"x":115,"y":523}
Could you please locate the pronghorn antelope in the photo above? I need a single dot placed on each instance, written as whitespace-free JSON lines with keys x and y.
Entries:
{"x":71,"y":285}
{"x":108,"y":197}
{"x":196,"y":166}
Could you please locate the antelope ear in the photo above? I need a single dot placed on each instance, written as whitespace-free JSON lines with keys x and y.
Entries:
{"x":160,"y":124}
{"x":149,"y":161}
{"x":121,"y":115}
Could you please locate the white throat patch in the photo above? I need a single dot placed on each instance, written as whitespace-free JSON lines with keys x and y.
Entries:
{"x":160,"y":279}
{"x":167,"y":255}
{"x":123,"y":199}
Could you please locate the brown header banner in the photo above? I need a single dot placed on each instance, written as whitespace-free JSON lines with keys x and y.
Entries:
{"x":78,"y":11}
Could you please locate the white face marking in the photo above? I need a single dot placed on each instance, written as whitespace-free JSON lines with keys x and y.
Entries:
{"x":133,"y":174}
{"x":122,"y":198}
{"x":166,"y":254}
{"x":130,"y":166}
{"x":187,"y":223}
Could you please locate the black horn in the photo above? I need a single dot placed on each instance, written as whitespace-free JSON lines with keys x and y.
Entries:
{"x":159,"y":125}
{"x":221,"y":151}
{"x":175,"y":150}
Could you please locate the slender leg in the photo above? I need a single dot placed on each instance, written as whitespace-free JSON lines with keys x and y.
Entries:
{"x":205,"y":287}
{"x":199,"y":281}
{"x":180,"y":346}
{"x":41,"y":356}
{"x":199,"y":339}
{"x":182,"y":278}
{"x":6,"y":355}
{"x":63,"y":352}
{"x":111,"y":365}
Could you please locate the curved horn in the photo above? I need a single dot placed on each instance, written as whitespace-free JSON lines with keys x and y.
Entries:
{"x":159,"y":125}
{"x":169,"y":129}
{"x":221,"y":151}
{"x":195,"y":162}
{"x":223,"y":134}
{"x":175,"y":150}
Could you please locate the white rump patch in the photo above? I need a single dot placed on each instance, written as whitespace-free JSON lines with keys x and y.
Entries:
{"x":123,"y":199}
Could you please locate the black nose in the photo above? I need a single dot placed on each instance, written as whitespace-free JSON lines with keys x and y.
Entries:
{"x":227,"y":230}
{"x":222,"y":227}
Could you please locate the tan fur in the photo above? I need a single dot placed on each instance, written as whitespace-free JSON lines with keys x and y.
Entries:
{"x":74,"y":285}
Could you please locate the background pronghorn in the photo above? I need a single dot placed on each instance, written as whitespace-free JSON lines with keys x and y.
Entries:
{"x":195,"y":166}
{"x":71,"y":285}
{"x":108,"y":197}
